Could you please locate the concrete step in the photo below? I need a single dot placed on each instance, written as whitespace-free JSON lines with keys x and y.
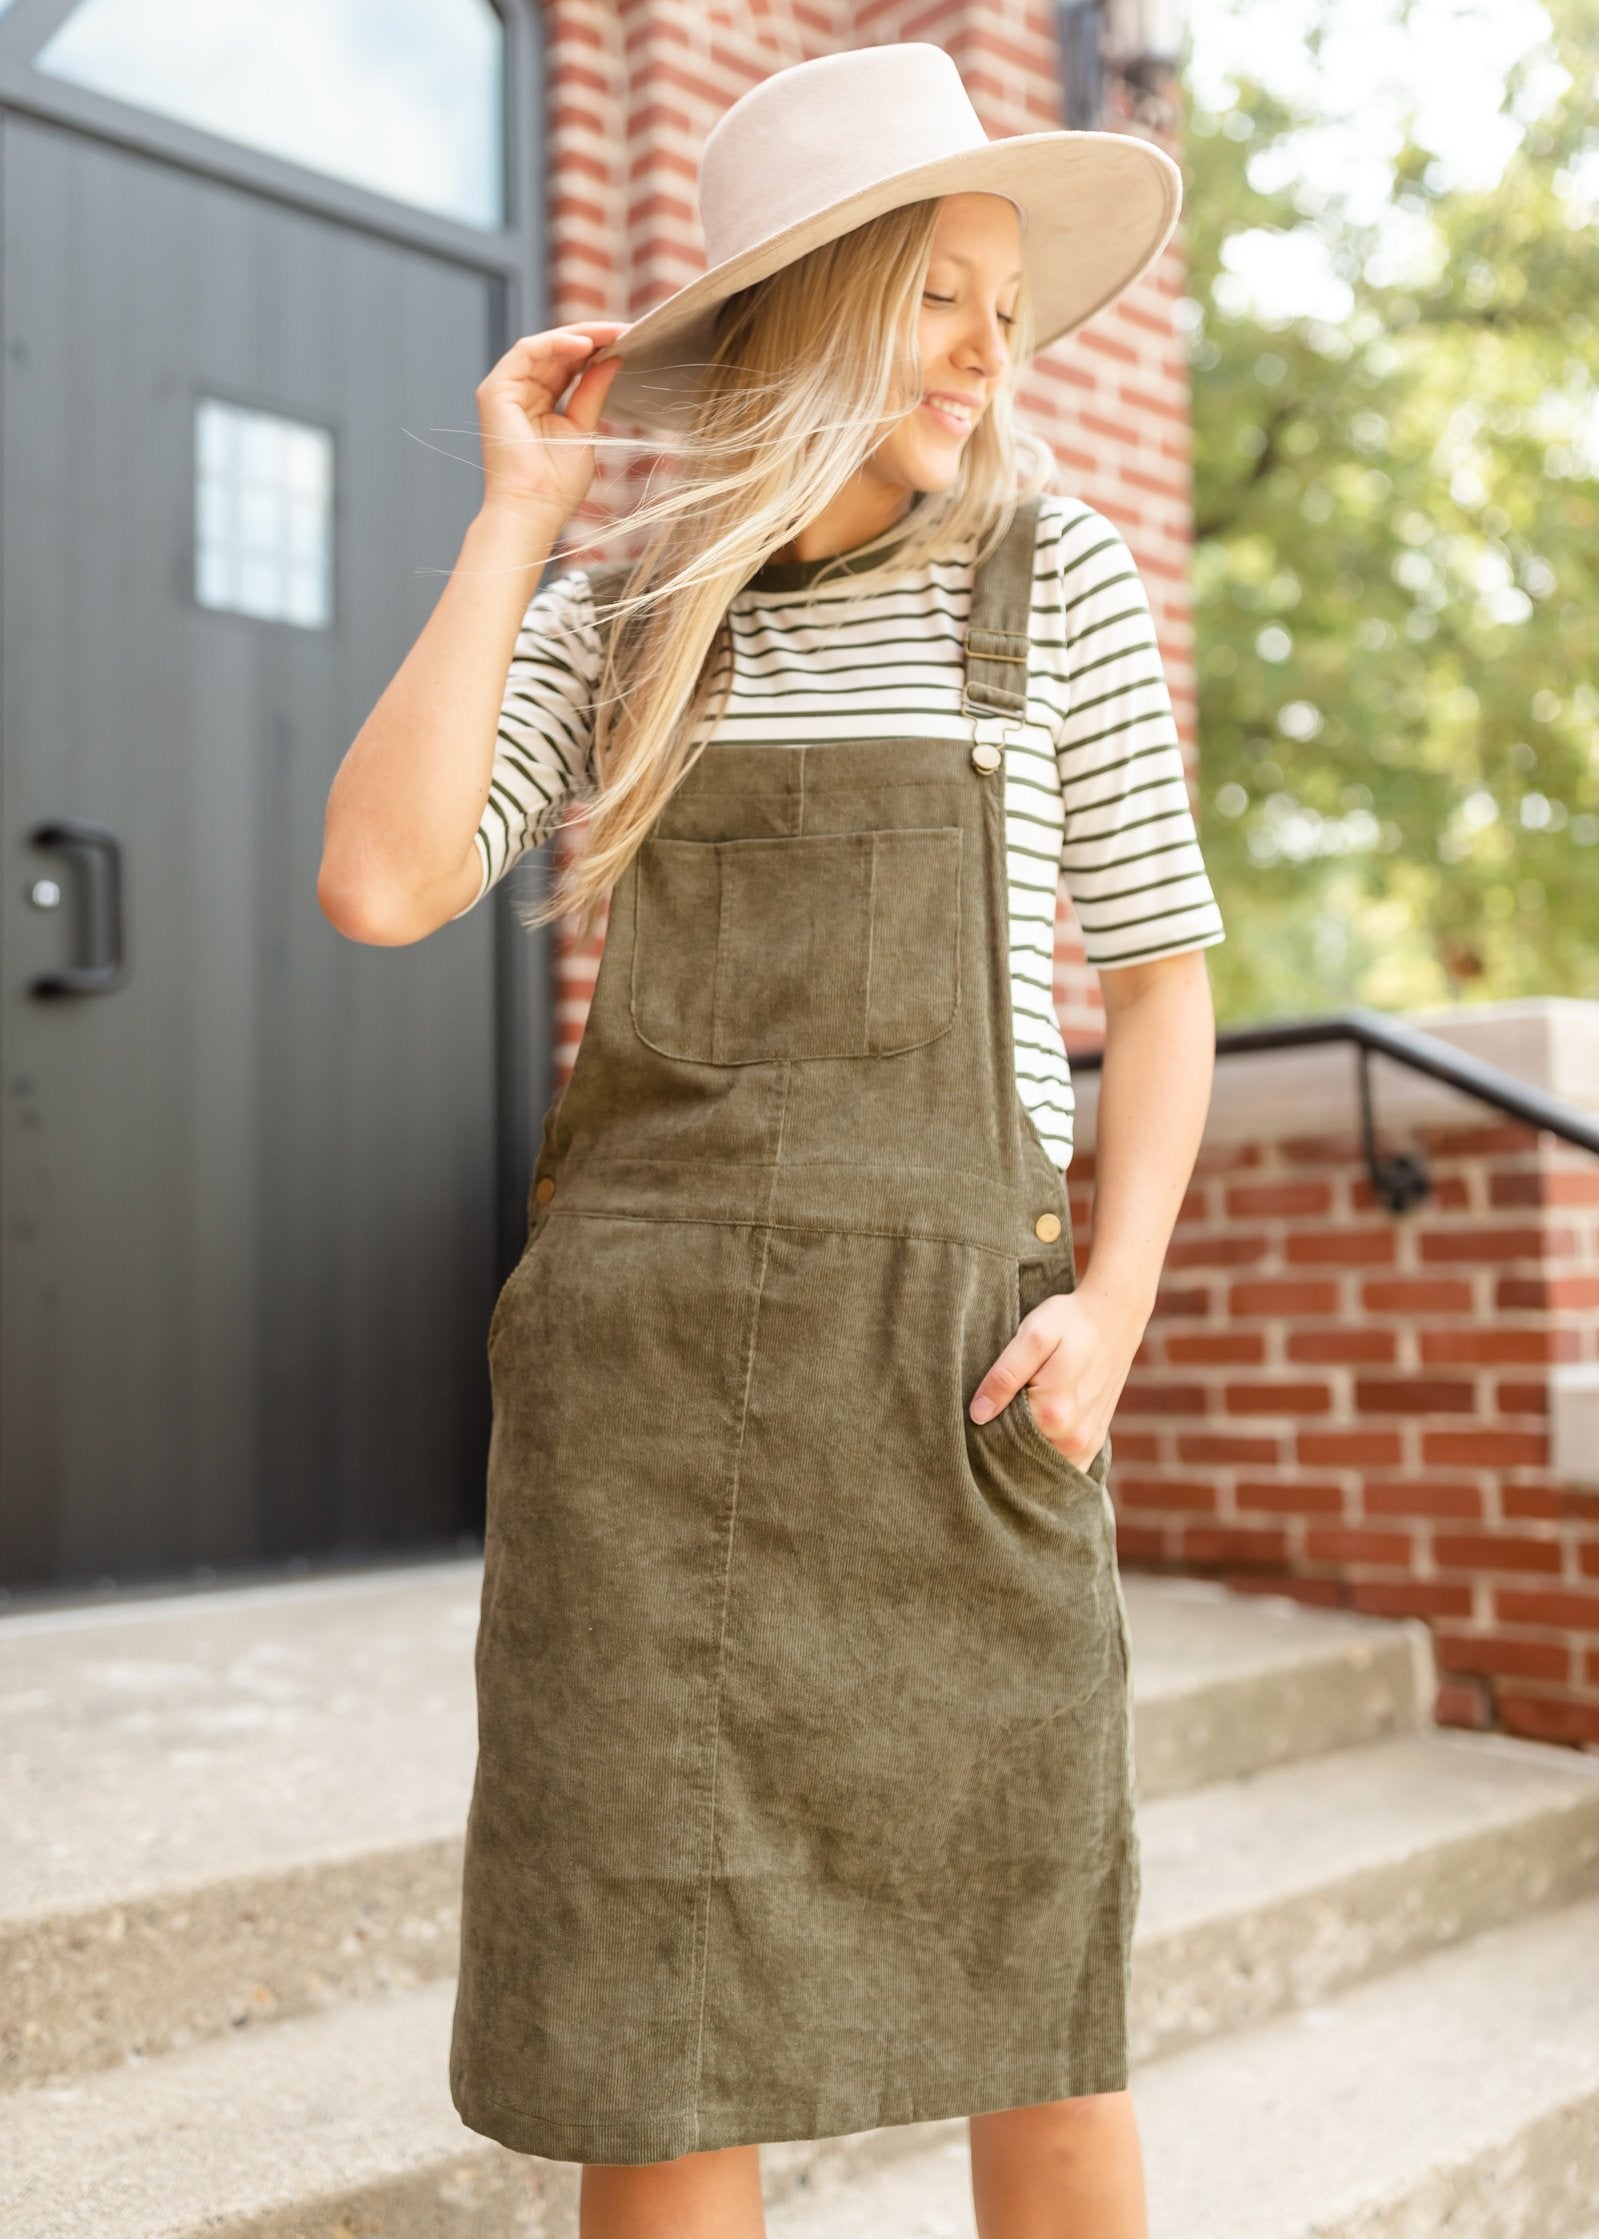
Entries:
{"x":1275,"y":1890}
{"x":226,"y":1807}
{"x":1278,"y":1889}
{"x":335,"y":2123}
{"x":1226,"y":1684}
{"x":218,"y":1808}
{"x":1459,"y":2094}
{"x":331,"y":2125}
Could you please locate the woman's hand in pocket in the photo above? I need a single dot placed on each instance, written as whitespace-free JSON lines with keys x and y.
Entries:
{"x":1073,"y":1352}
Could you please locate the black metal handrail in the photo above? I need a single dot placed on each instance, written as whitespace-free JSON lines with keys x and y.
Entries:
{"x":1400,"y":1178}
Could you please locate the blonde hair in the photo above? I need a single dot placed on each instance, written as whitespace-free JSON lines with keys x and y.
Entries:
{"x":808,"y":371}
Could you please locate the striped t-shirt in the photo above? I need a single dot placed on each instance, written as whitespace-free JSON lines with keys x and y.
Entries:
{"x":1095,"y":790}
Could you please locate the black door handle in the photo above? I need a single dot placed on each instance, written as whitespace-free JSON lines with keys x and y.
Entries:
{"x":99,"y":852}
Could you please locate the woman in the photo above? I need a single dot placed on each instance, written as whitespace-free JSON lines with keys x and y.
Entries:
{"x":804,"y":1795}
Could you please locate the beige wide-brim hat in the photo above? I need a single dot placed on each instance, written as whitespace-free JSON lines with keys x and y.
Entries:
{"x":819,"y":148}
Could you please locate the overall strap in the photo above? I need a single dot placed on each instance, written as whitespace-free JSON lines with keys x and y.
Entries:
{"x":998,"y":634}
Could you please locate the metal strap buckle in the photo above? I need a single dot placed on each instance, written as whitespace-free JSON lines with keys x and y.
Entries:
{"x":989,"y":728}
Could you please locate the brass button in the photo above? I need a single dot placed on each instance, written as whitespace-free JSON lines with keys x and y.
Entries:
{"x":544,"y":1188}
{"x":985,"y":757}
{"x":1047,"y":1227}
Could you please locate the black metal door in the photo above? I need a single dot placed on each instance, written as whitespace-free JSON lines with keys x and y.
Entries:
{"x":249,"y":1170}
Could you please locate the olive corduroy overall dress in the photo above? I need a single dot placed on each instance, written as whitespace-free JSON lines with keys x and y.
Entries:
{"x":804,"y":1792}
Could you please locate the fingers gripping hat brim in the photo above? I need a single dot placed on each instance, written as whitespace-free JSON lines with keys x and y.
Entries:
{"x":1100,"y":207}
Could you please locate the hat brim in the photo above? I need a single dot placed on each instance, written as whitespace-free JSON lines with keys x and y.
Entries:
{"x":1100,"y":208}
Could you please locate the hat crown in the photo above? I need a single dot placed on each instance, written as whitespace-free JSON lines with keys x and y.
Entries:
{"x":820,"y":131}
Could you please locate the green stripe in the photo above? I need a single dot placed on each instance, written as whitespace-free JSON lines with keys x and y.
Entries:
{"x":1155,"y":948}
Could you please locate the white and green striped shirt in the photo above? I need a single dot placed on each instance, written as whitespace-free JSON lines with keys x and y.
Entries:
{"x":1094,"y":779}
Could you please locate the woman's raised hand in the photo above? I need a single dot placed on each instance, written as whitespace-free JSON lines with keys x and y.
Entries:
{"x":517,"y":409}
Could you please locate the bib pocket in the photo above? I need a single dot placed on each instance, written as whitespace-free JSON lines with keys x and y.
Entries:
{"x":826,"y":945}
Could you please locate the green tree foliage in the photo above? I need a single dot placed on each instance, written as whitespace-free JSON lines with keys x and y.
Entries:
{"x":1397,"y":572}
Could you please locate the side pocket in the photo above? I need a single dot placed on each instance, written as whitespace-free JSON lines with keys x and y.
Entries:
{"x":1036,"y":1280}
{"x":497,"y":1318}
{"x":1089,"y":1480}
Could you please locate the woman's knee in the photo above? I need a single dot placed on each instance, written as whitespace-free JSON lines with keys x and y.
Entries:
{"x":1054,"y":2125}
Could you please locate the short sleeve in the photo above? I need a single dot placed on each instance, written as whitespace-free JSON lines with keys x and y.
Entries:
{"x":546,"y":726}
{"x":1130,"y":852}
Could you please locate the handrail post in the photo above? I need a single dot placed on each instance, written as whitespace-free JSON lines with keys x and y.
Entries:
{"x":1400,"y":1179}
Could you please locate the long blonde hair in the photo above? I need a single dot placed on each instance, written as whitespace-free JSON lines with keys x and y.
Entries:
{"x":807,"y":372}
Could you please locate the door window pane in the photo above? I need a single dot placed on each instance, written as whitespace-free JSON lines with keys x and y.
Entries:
{"x":403,"y":96}
{"x":263,"y":515}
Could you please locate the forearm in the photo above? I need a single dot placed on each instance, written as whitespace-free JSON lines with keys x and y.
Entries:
{"x":398,"y":856}
{"x":1155,"y":1081}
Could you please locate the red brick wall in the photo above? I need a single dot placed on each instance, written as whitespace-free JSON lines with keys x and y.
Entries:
{"x":633,"y":91}
{"x":1351,"y":1407}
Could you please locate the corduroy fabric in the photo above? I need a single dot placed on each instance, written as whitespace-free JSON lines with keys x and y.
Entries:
{"x":804,"y":1794}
